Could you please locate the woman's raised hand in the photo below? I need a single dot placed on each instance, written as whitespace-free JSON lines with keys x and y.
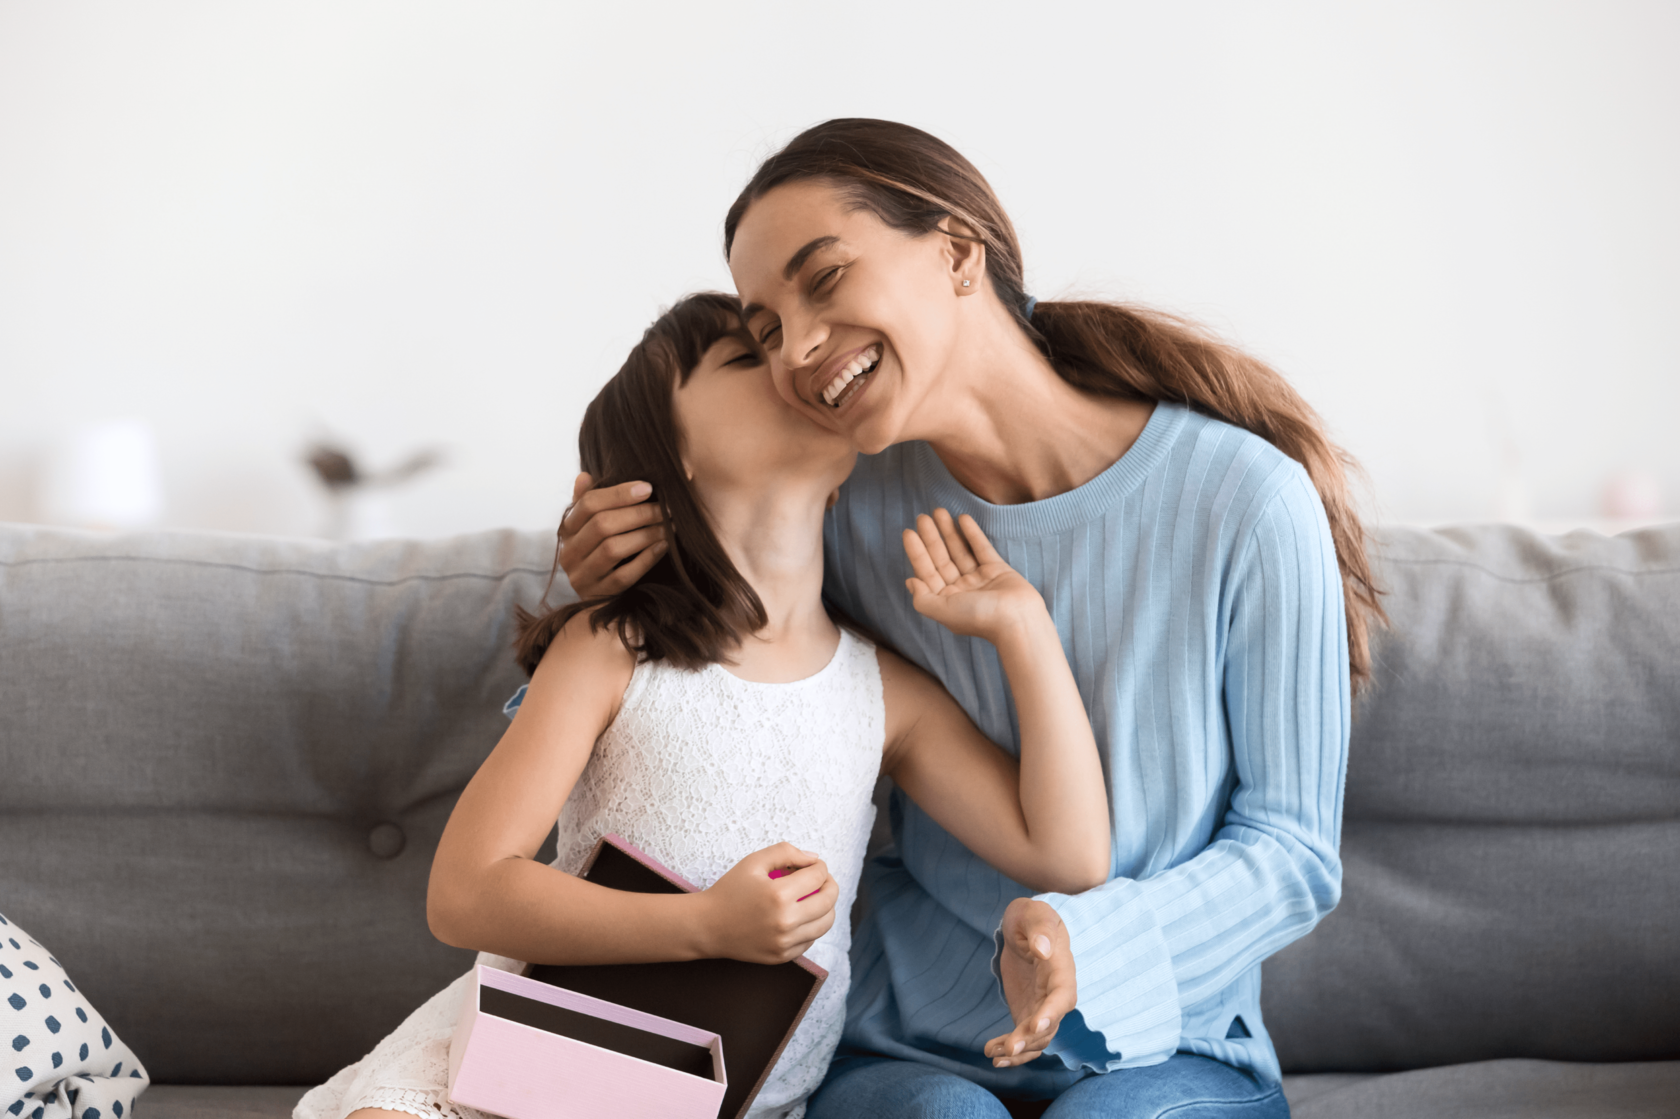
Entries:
{"x":961,"y":582}
{"x":603,"y":530}
{"x":763,"y":920}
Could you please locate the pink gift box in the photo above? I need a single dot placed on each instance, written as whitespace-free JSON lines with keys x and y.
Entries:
{"x":528,"y":1050}
{"x":568,"y":1055}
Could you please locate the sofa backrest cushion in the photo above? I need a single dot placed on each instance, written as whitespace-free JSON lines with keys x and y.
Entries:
{"x":225,"y":763}
{"x":1511,"y":837}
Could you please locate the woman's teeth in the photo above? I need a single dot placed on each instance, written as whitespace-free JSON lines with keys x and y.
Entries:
{"x":860,"y":366}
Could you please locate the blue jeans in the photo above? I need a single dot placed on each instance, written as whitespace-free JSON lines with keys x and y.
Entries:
{"x":1182,"y":1087}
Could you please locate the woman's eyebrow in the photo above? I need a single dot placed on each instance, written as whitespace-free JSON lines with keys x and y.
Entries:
{"x":798,"y":259}
{"x":794,"y":264}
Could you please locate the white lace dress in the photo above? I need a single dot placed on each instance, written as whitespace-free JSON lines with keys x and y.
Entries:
{"x":699,"y":769}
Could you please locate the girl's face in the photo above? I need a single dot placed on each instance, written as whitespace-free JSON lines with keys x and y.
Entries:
{"x":737,"y":432}
{"x":859,"y":320}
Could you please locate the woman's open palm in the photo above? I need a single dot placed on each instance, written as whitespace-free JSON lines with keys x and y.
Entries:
{"x":961,"y":582}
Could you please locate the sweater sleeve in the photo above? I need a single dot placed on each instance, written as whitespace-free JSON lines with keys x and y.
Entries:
{"x":1144,"y":948}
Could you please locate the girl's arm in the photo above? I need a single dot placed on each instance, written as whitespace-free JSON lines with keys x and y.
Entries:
{"x":488,"y":893}
{"x":1043,"y":821}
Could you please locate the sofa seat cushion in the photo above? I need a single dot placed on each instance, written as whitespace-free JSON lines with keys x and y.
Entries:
{"x":1511,"y":842}
{"x":201,"y":1101}
{"x":1511,"y":1089}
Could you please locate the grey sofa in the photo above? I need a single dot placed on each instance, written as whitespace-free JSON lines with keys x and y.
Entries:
{"x":225,"y":762}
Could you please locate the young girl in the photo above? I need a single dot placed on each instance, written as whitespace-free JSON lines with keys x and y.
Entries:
{"x":715,"y":715}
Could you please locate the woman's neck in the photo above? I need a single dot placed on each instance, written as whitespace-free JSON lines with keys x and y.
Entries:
{"x":774,"y":537}
{"x":1009,"y":428}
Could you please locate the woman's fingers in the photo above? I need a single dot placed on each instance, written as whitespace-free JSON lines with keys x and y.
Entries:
{"x":601,"y":573}
{"x":625,"y":575}
{"x":591,"y":503}
{"x":590,"y":536}
{"x":1030,"y":1037}
{"x":581,"y":485}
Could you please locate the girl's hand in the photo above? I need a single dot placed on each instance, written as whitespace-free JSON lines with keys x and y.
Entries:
{"x":751,"y":916}
{"x":962,"y":583}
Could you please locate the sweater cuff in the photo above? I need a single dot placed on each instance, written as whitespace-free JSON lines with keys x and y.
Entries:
{"x":1128,"y":1012}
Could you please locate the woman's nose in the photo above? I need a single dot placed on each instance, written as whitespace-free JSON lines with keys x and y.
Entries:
{"x":801,"y":339}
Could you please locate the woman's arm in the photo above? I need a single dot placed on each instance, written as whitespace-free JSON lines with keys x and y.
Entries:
{"x":1144,"y":948}
{"x":1044,"y":821}
{"x":488,"y":893}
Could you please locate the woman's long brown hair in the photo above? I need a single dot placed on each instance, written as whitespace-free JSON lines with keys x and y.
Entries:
{"x":692,"y":607}
{"x":912,"y":181}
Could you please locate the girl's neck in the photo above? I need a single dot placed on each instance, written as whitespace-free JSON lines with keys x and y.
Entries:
{"x":773,"y":534}
{"x":1009,"y":428}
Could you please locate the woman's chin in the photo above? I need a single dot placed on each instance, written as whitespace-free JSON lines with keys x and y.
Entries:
{"x":869,"y":432}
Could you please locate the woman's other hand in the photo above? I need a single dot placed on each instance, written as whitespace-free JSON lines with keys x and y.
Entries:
{"x":962,"y":583}
{"x":763,"y":920}
{"x":1039,"y":981}
{"x":610,"y":536}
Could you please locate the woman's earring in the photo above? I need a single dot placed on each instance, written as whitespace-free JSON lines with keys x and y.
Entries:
{"x":965,"y":283}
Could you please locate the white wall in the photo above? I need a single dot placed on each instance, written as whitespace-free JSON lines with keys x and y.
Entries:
{"x":405,"y":223}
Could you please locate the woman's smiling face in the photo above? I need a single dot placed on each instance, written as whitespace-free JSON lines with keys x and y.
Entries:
{"x":859,"y":320}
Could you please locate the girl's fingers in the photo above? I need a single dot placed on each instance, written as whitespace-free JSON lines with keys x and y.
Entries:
{"x":954,"y":542}
{"x":976,"y":539}
{"x":921,"y":563}
{"x":934,"y":542}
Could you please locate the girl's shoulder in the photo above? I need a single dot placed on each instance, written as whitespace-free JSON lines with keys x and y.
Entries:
{"x":584,"y":663}
{"x":908,"y":693}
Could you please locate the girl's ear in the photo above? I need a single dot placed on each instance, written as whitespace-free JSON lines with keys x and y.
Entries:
{"x":965,"y":255}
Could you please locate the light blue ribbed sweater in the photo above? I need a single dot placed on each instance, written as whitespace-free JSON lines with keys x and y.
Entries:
{"x":1195,"y":588}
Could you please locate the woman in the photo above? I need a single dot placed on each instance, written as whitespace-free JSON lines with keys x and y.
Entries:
{"x":1187,"y":520}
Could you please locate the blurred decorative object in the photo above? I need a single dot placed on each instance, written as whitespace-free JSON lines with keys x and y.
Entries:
{"x":1632,"y":495}
{"x":104,"y":475}
{"x":357,"y":506}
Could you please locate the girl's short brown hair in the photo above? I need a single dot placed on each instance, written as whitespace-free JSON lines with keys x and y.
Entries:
{"x":692,"y":607}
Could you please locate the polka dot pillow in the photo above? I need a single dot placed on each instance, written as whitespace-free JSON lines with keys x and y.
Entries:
{"x":58,"y":1058}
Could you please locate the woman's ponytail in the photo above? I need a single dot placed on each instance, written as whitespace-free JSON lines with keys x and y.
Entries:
{"x":1109,"y":349}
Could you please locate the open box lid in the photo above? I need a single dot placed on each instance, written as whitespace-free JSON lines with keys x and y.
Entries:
{"x":754,"y":1008}
{"x":530,"y":1050}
